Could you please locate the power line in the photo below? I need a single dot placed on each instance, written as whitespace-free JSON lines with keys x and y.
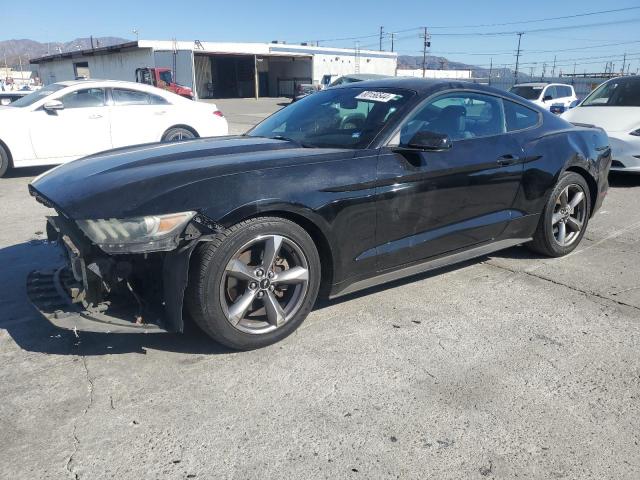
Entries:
{"x":540,"y":19}
{"x":444,"y":27}
{"x":545,"y":29}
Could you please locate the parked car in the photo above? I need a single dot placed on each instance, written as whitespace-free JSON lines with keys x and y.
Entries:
{"x":615,"y":107}
{"x":353,"y":187}
{"x":302,"y":90}
{"x":6,"y":97}
{"x":356,"y":77}
{"x":546,"y":94}
{"x":68,"y":120}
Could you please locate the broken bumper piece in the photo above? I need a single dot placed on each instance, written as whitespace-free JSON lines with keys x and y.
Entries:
{"x":49,"y":293}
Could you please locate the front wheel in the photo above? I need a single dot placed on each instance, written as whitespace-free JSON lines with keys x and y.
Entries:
{"x":565,"y":217}
{"x":254,"y":284}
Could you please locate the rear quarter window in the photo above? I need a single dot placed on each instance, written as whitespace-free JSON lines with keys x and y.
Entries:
{"x":519,"y":117}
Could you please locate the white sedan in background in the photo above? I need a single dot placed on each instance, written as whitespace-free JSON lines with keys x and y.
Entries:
{"x":69,"y":120}
{"x":615,"y":107}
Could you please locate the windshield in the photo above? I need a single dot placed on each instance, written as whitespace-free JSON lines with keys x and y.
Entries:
{"x":337,"y":118}
{"x":37,"y":95}
{"x":528,"y":92}
{"x":166,"y":76}
{"x":615,"y":93}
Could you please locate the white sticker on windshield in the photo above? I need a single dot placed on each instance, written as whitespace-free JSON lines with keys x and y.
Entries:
{"x":377,"y":96}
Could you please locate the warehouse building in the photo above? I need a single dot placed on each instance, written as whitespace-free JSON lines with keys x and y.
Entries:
{"x":218,"y":70}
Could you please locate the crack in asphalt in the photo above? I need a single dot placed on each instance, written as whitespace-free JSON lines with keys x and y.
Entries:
{"x":570,"y":287}
{"x":76,"y":440}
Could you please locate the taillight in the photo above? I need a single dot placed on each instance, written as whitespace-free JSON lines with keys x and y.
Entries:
{"x":218,"y":113}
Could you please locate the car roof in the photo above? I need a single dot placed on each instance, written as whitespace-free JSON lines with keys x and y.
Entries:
{"x":365,"y":76}
{"x":111,"y":83}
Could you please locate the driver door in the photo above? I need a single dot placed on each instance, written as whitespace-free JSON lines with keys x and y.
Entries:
{"x":432,"y":202}
{"x":81,"y":128}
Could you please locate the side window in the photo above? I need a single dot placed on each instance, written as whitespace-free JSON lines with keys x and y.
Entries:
{"x":85,"y":98}
{"x":157,"y":100}
{"x":129,"y":97}
{"x":519,"y":117}
{"x":460,"y":115}
{"x":550,"y":92}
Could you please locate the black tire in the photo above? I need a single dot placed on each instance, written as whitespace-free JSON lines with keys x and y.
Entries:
{"x":545,"y":239}
{"x":5,"y":163}
{"x":176,"y":134}
{"x":207,"y":298}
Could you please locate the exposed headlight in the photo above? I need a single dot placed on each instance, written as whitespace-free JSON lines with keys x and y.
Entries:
{"x":635,"y":133}
{"x":136,"y":235}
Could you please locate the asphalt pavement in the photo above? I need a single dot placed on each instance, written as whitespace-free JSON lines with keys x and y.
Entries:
{"x":508,"y":366}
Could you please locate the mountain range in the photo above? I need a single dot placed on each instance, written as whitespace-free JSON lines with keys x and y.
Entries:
{"x":12,"y":50}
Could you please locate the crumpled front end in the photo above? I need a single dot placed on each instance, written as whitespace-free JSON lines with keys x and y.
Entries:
{"x":117,"y":279}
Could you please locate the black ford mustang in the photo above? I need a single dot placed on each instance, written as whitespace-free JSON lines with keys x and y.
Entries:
{"x":350,"y":187}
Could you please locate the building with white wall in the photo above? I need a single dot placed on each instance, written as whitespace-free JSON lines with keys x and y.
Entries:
{"x":218,"y":69}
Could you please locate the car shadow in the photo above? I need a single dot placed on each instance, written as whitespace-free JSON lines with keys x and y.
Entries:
{"x":27,"y":171}
{"x":33,"y":333}
{"x":624,"y":180}
{"x":518,"y":252}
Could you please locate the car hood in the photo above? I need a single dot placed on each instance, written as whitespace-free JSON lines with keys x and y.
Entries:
{"x":157,"y":178}
{"x":611,"y":119}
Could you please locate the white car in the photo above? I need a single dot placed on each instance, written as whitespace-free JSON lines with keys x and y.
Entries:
{"x":615,"y":107}
{"x":68,"y":120}
{"x":546,"y":94}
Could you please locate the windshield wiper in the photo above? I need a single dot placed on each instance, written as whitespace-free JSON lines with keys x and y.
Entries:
{"x":288,"y":139}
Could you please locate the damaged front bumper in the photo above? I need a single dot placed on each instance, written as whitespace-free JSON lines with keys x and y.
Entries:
{"x":123,"y":293}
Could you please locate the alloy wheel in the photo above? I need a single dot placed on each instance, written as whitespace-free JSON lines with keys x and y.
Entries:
{"x":264,"y":284}
{"x":569,"y":215}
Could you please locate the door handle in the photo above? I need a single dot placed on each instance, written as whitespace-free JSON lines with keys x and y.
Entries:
{"x":506,"y":160}
{"x":95,"y":116}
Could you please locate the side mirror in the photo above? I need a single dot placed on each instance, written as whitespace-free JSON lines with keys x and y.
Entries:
{"x":53,"y":105}
{"x":426,"y":140}
{"x":547,"y":98}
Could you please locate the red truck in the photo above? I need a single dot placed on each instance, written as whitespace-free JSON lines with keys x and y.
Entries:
{"x":162,"y":78}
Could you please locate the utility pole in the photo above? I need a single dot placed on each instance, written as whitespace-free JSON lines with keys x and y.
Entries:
{"x":544,"y":70}
{"x":518,"y":53}
{"x":91,"y":37}
{"x":553,"y":71}
{"x":624,"y":62}
{"x":381,"y":35}
{"x":392,"y":38}
{"x":427,"y":43}
{"x":490,"y":70}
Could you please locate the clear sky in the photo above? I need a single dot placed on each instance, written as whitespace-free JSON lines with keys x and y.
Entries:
{"x":590,"y":41}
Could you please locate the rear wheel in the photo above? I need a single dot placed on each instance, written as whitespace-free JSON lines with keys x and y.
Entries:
{"x":4,"y":161}
{"x":176,"y":134}
{"x":565,"y":217}
{"x":255,"y":283}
